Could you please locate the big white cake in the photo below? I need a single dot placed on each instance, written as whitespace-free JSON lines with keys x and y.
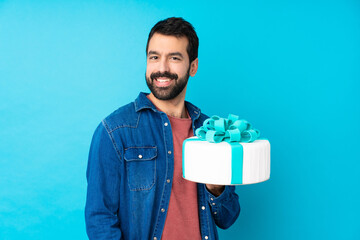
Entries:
{"x":226,"y":152}
{"x":226,"y":163}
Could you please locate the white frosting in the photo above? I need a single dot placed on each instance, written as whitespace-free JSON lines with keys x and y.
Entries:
{"x":206,"y":162}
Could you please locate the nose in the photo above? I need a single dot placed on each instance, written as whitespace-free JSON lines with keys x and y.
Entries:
{"x":164,"y":65}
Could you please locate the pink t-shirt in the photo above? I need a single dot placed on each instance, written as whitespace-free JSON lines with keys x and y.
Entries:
{"x":182,"y":220}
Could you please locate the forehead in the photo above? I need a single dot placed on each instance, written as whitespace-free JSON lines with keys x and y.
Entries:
{"x":164,"y":44}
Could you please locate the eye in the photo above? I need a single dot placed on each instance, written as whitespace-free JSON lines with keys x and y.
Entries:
{"x":153,"y":57}
{"x":175,"y":58}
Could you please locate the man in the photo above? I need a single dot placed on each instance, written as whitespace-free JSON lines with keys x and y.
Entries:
{"x":135,"y":185}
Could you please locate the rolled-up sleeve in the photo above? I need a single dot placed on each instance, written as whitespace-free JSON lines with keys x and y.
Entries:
{"x":225,"y":208}
{"x":103,"y":178}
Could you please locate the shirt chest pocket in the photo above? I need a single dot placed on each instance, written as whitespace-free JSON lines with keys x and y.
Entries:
{"x":140,"y":167}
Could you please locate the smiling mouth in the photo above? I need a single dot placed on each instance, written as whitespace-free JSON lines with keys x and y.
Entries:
{"x":163,"y":82}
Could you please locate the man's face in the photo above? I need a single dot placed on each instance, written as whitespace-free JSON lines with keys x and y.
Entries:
{"x":168,"y":67}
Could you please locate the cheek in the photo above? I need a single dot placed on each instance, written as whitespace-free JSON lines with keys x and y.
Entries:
{"x":149,"y":70}
{"x":181,"y":70}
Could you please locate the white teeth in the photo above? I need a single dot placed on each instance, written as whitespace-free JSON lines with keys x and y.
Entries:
{"x":161,"y":80}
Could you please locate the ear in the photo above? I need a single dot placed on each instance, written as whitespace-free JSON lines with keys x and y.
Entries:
{"x":194,"y":67}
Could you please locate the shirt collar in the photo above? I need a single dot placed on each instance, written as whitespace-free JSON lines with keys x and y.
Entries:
{"x":142,"y":102}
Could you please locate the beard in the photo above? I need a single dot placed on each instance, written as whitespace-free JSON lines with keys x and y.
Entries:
{"x":170,"y":92}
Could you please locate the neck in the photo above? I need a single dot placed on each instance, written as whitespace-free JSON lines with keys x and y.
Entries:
{"x":174,"y":107}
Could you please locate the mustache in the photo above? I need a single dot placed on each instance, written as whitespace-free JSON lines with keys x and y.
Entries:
{"x":164,"y":74}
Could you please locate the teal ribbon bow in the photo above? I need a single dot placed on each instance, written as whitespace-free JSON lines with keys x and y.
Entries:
{"x":217,"y":129}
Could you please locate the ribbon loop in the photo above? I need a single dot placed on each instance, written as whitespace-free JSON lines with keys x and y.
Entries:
{"x":235,"y":135}
{"x":217,"y":129}
{"x":249,"y":135}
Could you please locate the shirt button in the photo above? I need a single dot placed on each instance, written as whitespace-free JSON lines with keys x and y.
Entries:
{"x":211,"y":199}
{"x":162,"y":210}
{"x":206,"y":237}
{"x":215,"y":212}
{"x":140,"y":156}
{"x":155,"y":238}
{"x":169,"y":152}
{"x":168,"y":181}
{"x":166,"y":124}
{"x":213,"y":203}
{"x":203,"y":208}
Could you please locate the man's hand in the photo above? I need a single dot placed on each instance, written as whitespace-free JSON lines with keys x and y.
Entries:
{"x":216,"y":190}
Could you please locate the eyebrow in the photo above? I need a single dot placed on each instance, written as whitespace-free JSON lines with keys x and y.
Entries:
{"x":176,"y":54}
{"x":153,"y":52}
{"x":170,"y":54}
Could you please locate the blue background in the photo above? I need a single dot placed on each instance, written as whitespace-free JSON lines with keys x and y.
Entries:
{"x":292,"y":68}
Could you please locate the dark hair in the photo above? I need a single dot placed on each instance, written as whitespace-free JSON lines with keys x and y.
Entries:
{"x":177,"y":27}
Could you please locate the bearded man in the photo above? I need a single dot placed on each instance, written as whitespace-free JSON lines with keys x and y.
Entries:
{"x":135,"y":185}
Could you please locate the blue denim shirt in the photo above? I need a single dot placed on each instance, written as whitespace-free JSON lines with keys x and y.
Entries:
{"x":130,"y":172}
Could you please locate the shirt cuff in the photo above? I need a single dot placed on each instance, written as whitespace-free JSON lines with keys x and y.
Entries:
{"x":214,"y":201}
